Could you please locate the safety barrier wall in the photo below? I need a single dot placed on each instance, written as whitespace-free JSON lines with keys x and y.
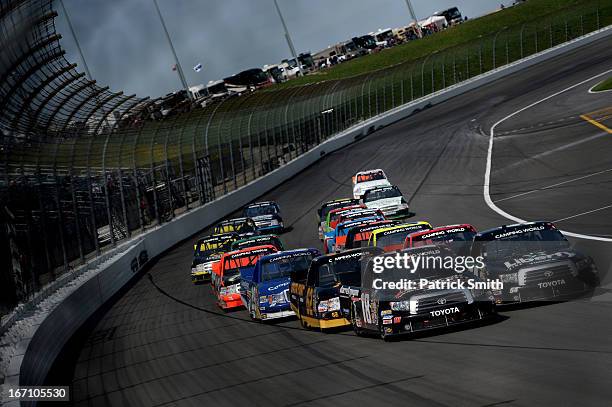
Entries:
{"x":56,"y":319}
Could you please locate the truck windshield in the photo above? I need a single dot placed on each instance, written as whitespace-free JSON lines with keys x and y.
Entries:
{"x":383,"y":193}
{"x":371,"y":176}
{"x":397,"y":236}
{"x":537,"y":241}
{"x":282,"y":267}
{"x":345,"y":271}
{"x":253,"y":211}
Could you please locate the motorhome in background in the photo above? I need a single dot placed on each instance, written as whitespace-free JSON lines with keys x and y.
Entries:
{"x":367,"y":42}
{"x":198,"y":91}
{"x":307,"y":61}
{"x":217,"y":89}
{"x":291,"y":67}
{"x":452,"y":15}
{"x":408,"y":33}
{"x":383,"y":37}
{"x":200,"y":94}
{"x":249,"y":79}
{"x":276,"y":72}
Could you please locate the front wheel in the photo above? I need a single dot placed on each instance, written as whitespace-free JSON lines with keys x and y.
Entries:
{"x":252,"y":311}
{"x":358,"y":331}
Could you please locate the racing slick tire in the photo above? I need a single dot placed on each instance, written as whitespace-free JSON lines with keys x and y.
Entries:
{"x":356,"y":329}
{"x":383,"y":335}
{"x":303,"y":323}
{"x":252,"y":312}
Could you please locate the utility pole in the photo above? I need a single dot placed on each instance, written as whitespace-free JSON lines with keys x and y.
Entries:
{"x":179,"y":69}
{"x":414,"y":17}
{"x":288,"y":38}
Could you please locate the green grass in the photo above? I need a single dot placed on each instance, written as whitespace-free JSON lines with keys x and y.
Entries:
{"x":470,"y":31}
{"x":605,"y":85}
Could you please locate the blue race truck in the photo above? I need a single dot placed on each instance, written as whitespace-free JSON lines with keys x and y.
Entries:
{"x":265,"y":289}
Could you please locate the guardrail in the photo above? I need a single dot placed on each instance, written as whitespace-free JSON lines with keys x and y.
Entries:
{"x":39,"y":333}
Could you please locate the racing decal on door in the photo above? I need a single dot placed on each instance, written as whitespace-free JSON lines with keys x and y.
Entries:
{"x":365,"y":308}
{"x":310,"y":305}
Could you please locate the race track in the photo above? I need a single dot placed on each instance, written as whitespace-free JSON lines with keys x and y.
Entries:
{"x":165,"y":343}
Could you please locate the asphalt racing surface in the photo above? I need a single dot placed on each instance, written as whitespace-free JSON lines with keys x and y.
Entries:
{"x":165,"y":342}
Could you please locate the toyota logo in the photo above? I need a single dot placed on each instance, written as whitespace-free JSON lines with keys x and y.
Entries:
{"x":548,"y":274}
{"x":442,"y":301}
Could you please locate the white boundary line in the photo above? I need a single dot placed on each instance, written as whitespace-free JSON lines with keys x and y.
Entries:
{"x":487,"y":177}
{"x":598,"y":91}
{"x":554,"y":185}
{"x":583,"y":213}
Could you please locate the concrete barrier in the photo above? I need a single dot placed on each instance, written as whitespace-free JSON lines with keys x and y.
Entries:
{"x":34,"y":342}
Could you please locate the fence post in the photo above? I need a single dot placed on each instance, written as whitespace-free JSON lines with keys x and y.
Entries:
{"x":124,"y":206}
{"x":222,"y":170}
{"x":154,"y":178}
{"x":299,"y":88}
{"x":581,"y":24}
{"x":370,"y":98}
{"x":550,"y":34}
{"x":536,"y":39}
{"x":433,"y":85}
{"x":467,"y":63}
{"x":454,"y":68}
{"x":443,"y":72}
{"x":480,"y":55}
{"x":167,"y":165}
{"x":507,"y":51}
{"x":521,"y":39}
{"x":60,"y":219}
{"x":75,"y":209}
{"x":565,"y":27}
{"x":376,"y":97}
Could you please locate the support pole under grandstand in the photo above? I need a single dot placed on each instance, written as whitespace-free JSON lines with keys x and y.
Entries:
{"x":288,"y":38}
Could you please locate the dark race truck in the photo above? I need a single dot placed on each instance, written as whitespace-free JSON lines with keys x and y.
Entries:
{"x":266,"y":215}
{"x":535,"y":262}
{"x":316,"y":294}
{"x":207,"y":251}
{"x":392,"y":302}
{"x":265,"y":289}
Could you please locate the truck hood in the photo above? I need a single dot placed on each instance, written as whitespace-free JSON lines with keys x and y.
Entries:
{"x":515,"y":263}
{"x":364,"y":186}
{"x":274,"y":286}
{"x":385,"y":203}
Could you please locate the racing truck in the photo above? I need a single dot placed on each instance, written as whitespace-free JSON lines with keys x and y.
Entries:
{"x":392,"y":302}
{"x":245,"y":227}
{"x":457,"y":237}
{"x":265,"y":290}
{"x":266,"y":215}
{"x":225,"y":281}
{"x":328,"y":206}
{"x":364,"y":180}
{"x":359,"y":236}
{"x":331,"y":220}
{"x":315,"y":293}
{"x":208,"y":250}
{"x":258,"y":241}
{"x":389,"y":200}
{"x":335,"y":240}
{"x":392,"y":238}
{"x":535,"y":262}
